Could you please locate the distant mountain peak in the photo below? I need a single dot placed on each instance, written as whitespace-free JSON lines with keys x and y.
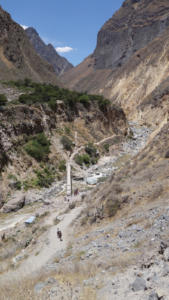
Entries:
{"x":18,"y":57}
{"x":48,"y":52}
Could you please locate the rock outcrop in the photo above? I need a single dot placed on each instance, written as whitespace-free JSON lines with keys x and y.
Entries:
{"x":131,"y":28}
{"x":130,"y":64}
{"x":14,"y":204}
{"x":48,"y":52}
{"x":18,"y":59}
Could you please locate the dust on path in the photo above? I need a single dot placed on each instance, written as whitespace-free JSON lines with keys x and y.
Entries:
{"x":34,"y":263}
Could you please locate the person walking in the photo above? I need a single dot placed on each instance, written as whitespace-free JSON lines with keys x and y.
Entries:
{"x":59,"y":234}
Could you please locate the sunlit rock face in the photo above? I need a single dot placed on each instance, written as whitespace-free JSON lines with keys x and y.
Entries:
{"x":131,"y":28}
{"x":48,"y":52}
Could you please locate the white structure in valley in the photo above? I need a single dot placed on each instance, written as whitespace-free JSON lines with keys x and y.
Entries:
{"x":69,"y":180}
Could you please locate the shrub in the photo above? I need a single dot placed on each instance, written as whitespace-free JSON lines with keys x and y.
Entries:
{"x":18,"y":185}
{"x":103,"y":104}
{"x":3,"y":100}
{"x":48,"y":93}
{"x":106,"y":147}
{"x":45,"y":177}
{"x":62,"y":166}
{"x":67,"y":143}
{"x":38,"y":147}
{"x":67,"y":130}
{"x":82,"y":159}
{"x":84,"y":99}
{"x":91,"y":150}
{"x":53,"y":104}
{"x":112,"y":206}
{"x":167,"y":154}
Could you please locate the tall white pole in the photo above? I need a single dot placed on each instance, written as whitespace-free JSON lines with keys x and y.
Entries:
{"x":69,"y":180}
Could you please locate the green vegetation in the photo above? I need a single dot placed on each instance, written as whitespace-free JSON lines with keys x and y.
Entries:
{"x":14,"y":182}
{"x":44,"y":178}
{"x":83,"y":159}
{"x":67,"y":143}
{"x":91,"y":150}
{"x":67,"y":130}
{"x":25,"y":85}
{"x":85,"y":100}
{"x":62,"y":166}
{"x":47,"y":93}
{"x":3,"y":100}
{"x":106,"y":147}
{"x":90,"y":157}
{"x":38,"y":147}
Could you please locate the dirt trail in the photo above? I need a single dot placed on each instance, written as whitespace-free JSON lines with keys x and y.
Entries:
{"x":34,"y":263}
{"x":77,"y":150}
{"x":10,"y":223}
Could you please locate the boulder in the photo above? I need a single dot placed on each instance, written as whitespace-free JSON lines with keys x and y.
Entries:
{"x":153,"y":296}
{"x":31,"y":197}
{"x":138,"y":285}
{"x":14,"y":204}
{"x":166,"y":254}
{"x":165,"y":271}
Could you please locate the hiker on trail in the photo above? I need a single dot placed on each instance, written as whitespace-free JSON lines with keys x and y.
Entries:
{"x":76,"y":192}
{"x":59,"y":234}
{"x":3,"y":237}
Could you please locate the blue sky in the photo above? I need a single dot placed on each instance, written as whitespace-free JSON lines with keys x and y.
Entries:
{"x":64,"y":23}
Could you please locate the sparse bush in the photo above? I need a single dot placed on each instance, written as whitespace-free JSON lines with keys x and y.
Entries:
{"x":106,"y":147}
{"x":14,"y":182}
{"x":62,"y":166}
{"x":67,"y":130}
{"x":45,"y":177}
{"x":18,"y":185}
{"x":112,"y":206}
{"x":117,"y":189}
{"x":67,"y":143}
{"x":82,"y":159}
{"x":3,"y":100}
{"x":38,"y":147}
{"x":167,"y":154}
{"x":84,"y":99}
{"x":91,"y":150}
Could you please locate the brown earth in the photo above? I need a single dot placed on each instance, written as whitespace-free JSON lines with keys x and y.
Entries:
{"x":18,"y":59}
{"x":130,"y":73}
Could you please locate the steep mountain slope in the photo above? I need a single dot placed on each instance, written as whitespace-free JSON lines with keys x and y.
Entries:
{"x":39,"y":112}
{"x":131,"y":57}
{"x":18,"y":58}
{"x":48,"y":52}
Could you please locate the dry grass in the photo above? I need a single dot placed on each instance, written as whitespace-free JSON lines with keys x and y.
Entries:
{"x":18,"y":290}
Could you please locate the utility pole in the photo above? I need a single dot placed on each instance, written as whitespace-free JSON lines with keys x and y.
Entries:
{"x":75,"y":138}
{"x":69,"y":180}
{"x":69,"y":174}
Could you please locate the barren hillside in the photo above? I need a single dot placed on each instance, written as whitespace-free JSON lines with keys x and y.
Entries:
{"x":18,"y":58}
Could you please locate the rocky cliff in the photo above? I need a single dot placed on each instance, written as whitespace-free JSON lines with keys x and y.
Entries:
{"x":21,"y":125}
{"x":131,"y":28}
{"x":131,"y":57}
{"x":18,"y":58}
{"x":48,"y":52}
